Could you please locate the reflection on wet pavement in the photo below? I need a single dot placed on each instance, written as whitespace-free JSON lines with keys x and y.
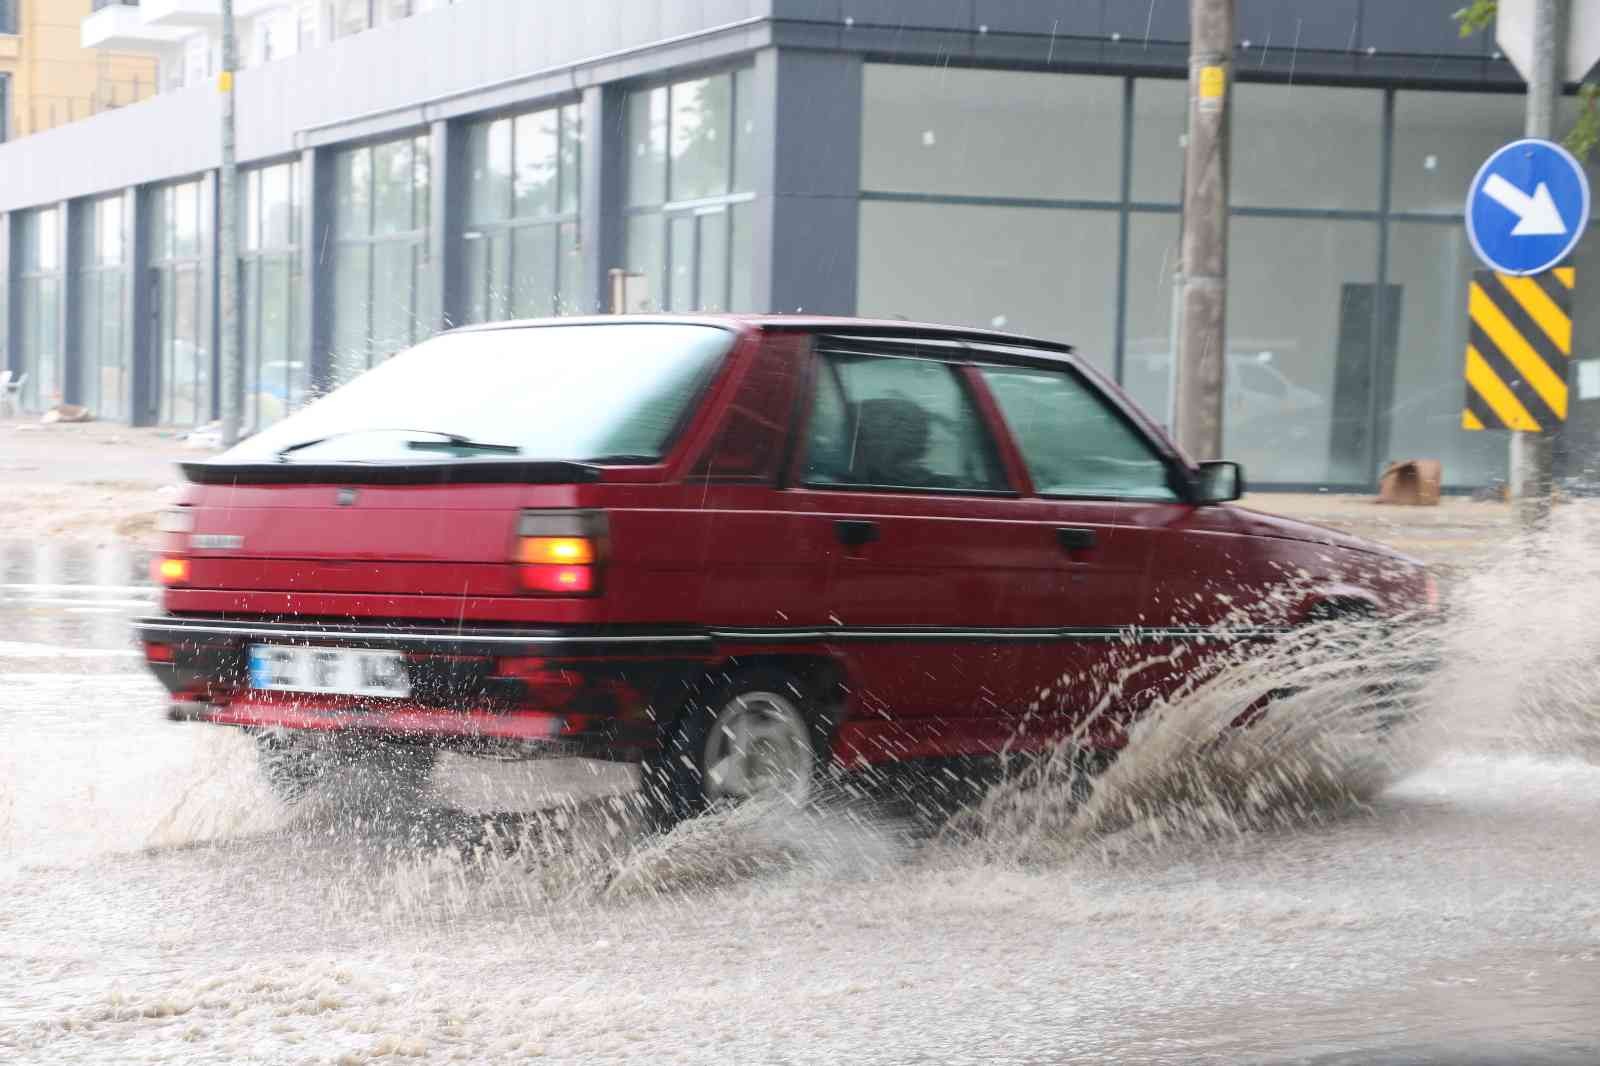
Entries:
{"x":71,"y":593}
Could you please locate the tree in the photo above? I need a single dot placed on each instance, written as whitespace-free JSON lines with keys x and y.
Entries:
{"x":1584,"y":137}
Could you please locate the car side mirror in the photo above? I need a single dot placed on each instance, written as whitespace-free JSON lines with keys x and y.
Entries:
{"x":1220,"y":481}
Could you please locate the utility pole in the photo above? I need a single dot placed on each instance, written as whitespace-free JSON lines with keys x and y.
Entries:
{"x":1532,"y":454}
{"x":232,"y":378}
{"x":1202,"y":341}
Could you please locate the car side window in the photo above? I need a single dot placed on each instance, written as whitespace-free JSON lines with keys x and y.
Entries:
{"x":1072,"y":442}
{"x":892,"y":422}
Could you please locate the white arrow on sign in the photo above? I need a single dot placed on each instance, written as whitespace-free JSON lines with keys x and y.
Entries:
{"x":1536,"y":215}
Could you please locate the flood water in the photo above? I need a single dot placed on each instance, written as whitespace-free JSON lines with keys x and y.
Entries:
{"x":161,"y":906}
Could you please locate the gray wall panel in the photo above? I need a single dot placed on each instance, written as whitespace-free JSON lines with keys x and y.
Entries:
{"x":1155,"y":20}
{"x":805,"y":230}
{"x":807,"y":10}
{"x":452,"y":50}
{"x":316,"y":96}
{"x":1080,"y":18}
{"x":1332,"y":25}
{"x":924,"y":14}
{"x":148,"y":142}
{"x":1418,"y":26}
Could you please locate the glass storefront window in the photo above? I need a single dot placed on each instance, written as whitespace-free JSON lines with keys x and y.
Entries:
{"x":382,"y":264}
{"x":647,"y":146}
{"x":1306,"y":146}
{"x":1160,"y":119}
{"x":744,"y":138}
{"x":1430,"y":266}
{"x":1300,"y":382}
{"x":277,"y":372}
{"x":180,"y":232}
{"x":521,"y":195}
{"x":689,"y":170}
{"x":1042,"y":270}
{"x":1440,"y":141}
{"x":1148,"y":338}
{"x":102,"y":353}
{"x":39,"y":295}
{"x":944,"y":130}
{"x":701,"y":138}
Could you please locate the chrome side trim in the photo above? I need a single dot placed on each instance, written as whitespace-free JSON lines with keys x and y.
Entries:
{"x":179,"y":628}
{"x":1086,"y":634}
{"x":183,"y":628}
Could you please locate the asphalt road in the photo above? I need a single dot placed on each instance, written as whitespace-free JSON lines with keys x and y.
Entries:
{"x":160,"y":906}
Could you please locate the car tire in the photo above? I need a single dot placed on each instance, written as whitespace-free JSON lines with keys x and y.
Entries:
{"x":294,"y":764}
{"x":754,"y":735}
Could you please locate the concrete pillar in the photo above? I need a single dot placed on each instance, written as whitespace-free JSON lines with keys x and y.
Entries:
{"x":140,"y":299}
{"x":601,"y":168}
{"x":807,"y":109}
{"x":9,"y":322}
{"x":137,"y":306}
{"x":75,"y":227}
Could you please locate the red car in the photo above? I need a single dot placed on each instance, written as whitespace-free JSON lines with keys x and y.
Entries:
{"x":735,"y":549}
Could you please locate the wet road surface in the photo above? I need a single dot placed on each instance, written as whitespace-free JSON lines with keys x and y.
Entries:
{"x":160,"y":906}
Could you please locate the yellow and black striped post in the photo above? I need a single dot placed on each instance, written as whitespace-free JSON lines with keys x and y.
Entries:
{"x":1519,"y":342}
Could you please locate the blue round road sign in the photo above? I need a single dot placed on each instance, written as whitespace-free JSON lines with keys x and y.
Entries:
{"x":1527,"y":207}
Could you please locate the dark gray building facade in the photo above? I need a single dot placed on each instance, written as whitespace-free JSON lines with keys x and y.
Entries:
{"x":1015,"y":163}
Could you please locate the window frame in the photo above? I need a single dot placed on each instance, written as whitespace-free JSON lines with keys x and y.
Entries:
{"x":1179,"y":477}
{"x":664,"y":211}
{"x":954,"y":356}
{"x":479,"y":237}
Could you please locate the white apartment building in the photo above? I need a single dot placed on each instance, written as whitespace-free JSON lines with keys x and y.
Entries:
{"x":185,"y":36}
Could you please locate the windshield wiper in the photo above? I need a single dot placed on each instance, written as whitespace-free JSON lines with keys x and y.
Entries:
{"x":624,"y":457}
{"x":455,"y":442}
{"x":449,"y":441}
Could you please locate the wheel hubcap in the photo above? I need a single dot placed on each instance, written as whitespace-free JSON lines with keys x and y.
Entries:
{"x":758,"y":746}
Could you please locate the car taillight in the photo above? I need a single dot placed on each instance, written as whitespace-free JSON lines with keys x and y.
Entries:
{"x":1431,"y":591}
{"x":158,"y":653}
{"x":170,"y":571}
{"x":559,"y":552}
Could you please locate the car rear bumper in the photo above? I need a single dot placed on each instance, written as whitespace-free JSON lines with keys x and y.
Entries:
{"x":534,"y":691}
{"x":525,"y":733}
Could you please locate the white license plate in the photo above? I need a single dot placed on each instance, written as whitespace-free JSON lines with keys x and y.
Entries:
{"x":344,"y":671}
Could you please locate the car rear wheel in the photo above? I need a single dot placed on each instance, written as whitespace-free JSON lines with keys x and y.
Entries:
{"x":293,"y":764}
{"x":752,"y":738}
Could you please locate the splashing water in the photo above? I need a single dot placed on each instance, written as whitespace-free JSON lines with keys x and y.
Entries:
{"x":1265,"y":737}
{"x":1523,"y":644}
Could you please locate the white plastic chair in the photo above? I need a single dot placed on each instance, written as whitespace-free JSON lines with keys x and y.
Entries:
{"x":11,"y":391}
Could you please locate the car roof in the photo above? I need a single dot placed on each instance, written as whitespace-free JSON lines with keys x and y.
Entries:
{"x":835,"y":324}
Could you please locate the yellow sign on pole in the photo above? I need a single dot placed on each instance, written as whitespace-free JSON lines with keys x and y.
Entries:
{"x":1519,"y":345}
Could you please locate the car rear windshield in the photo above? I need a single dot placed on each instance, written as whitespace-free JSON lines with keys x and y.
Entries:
{"x":596,"y":392}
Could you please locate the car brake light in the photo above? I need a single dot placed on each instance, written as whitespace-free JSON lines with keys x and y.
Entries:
{"x":171,"y":571}
{"x":158,"y":653}
{"x":559,"y":552}
{"x":573,"y":580}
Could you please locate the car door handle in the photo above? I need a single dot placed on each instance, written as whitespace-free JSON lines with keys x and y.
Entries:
{"x":1074,"y":539}
{"x":853,"y":534}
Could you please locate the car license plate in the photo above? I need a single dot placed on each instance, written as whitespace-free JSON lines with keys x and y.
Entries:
{"x":343,"y":671}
